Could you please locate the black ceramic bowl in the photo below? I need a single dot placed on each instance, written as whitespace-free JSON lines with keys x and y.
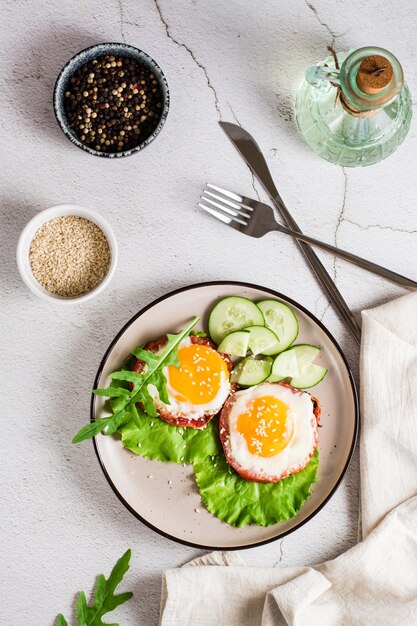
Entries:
{"x":116,"y":49}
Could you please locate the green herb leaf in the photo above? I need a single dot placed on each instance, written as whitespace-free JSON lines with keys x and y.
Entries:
{"x":153,"y":375}
{"x":240,"y":502}
{"x":92,"y":429}
{"x":116,"y":421}
{"x":105,"y":599}
{"x":127,"y":375}
{"x":198,"y":333}
{"x":158,"y":440}
{"x":135,"y":416}
{"x":112,"y":392}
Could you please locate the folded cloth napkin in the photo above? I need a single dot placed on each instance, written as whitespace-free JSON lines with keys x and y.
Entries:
{"x":372,"y":584}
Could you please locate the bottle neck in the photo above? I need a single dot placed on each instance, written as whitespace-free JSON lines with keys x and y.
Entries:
{"x":353,"y":83}
{"x":368,"y":92}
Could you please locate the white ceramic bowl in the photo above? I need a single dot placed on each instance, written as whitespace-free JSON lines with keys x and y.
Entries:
{"x":28,"y":233}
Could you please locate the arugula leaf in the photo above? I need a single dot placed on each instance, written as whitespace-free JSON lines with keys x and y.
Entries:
{"x":113,"y":392}
{"x":160,"y":441}
{"x":153,"y":375}
{"x":105,"y":599}
{"x":198,"y":333}
{"x":92,"y":429}
{"x":240,"y":502}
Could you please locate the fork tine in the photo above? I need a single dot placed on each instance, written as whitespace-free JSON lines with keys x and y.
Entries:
{"x":221,"y":216}
{"x":234,"y":205}
{"x":236,"y":212}
{"x":229,"y":194}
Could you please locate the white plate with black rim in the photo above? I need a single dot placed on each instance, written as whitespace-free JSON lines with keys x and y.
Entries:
{"x":164,"y":496}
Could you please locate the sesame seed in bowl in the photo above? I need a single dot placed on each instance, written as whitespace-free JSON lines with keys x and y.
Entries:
{"x":67,"y":254}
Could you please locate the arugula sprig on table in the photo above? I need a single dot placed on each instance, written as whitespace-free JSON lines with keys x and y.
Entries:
{"x":105,"y":599}
{"x":153,"y":374}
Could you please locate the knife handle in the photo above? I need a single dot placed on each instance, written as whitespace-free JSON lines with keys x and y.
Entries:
{"x":254,"y":158}
{"x":316,"y":265}
{"x":332,"y":291}
{"x":321,"y":273}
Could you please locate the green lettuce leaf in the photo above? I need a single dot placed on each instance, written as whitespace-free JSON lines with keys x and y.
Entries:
{"x":105,"y":599}
{"x":160,"y":441}
{"x":239,"y":502}
{"x":152,"y":374}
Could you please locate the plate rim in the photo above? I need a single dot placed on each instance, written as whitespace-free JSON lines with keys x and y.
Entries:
{"x":276,"y":294}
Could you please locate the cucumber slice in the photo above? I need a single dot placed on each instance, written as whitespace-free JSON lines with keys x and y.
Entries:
{"x":260,"y":339}
{"x":251,"y":371}
{"x":235,"y":344}
{"x":285,"y":366}
{"x":281,"y":320}
{"x":297,"y":363}
{"x":233,"y":313}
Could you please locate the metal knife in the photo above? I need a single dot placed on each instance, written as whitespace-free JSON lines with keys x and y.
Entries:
{"x":249,"y":150}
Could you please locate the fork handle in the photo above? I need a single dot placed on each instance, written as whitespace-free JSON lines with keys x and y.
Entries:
{"x":352,"y":258}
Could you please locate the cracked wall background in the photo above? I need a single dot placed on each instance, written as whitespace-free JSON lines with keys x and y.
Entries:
{"x":238,"y":61}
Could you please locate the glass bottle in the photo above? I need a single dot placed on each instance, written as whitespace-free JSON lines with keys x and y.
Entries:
{"x":354,"y":108}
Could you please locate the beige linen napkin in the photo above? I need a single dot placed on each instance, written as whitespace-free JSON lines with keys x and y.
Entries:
{"x":374,"y":583}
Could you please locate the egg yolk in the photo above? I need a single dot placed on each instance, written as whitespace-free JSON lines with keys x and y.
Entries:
{"x":265,"y":426}
{"x":200,"y":376}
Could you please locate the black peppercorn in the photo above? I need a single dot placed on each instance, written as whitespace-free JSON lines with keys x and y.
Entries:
{"x":118,"y":94}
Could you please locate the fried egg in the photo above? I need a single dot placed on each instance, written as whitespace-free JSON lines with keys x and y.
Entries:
{"x":198,"y":388}
{"x":269,"y":431}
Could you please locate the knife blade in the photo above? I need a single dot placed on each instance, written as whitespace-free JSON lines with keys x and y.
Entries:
{"x":252,"y":155}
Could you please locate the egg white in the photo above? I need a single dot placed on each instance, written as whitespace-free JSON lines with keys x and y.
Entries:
{"x":302,"y":443}
{"x":185,"y":408}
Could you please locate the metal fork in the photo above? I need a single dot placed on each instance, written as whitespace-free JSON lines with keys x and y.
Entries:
{"x":256,"y":219}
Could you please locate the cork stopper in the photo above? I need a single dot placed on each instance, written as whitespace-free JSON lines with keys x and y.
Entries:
{"x":374,"y":74}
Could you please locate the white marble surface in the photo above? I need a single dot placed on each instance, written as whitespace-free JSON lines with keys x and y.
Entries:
{"x":235,"y":60}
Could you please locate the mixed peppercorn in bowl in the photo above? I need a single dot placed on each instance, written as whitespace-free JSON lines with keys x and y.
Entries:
{"x":111,"y":99}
